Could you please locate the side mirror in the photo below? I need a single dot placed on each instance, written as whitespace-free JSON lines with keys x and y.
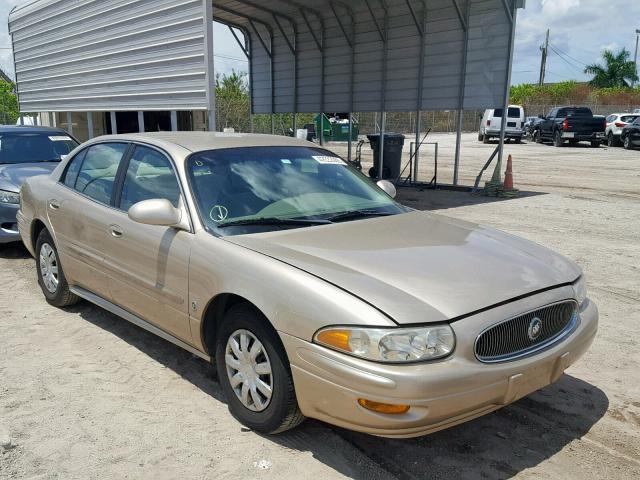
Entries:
{"x":158,"y":211}
{"x":387,"y":187}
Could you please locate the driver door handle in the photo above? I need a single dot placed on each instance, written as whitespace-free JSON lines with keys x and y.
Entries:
{"x":116,"y":231}
{"x":54,"y":205}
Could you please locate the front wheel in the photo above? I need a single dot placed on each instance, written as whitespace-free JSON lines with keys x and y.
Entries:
{"x":626,"y":143}
{"x":254,"y":372}
{"x":50,"y":274}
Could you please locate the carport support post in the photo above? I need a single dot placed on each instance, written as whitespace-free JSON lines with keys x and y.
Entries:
{"x":114,"y":124}
{"x":511,"y":12}
{"x":52,"y":119}
{"x":141,"y":122}
{"x":90,"y":125}
{"x":461,"y":92}
{"x":210,"y":75}
{"x":174,"y":121}
{"x":69,"y":123}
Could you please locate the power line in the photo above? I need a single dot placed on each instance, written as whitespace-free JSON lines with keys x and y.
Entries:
{"x":572,"y":65}
{"x":567,"y":55}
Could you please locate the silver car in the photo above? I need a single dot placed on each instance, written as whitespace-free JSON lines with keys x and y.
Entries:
{"x":312,"y":291}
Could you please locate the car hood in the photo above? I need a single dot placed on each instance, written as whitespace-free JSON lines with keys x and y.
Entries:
{"x":13,"y":176}
{"x":418,"y":267}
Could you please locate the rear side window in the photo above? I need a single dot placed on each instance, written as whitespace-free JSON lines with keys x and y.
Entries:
{"x":513,"y":112}
{"x":497,"y":112}
{"x":97,"y":175}
{"x":628,"y":118}
{"x":71,"y":175}
{"x":149,"y":176}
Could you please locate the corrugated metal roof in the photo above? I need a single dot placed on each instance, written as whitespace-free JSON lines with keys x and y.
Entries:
{"x":316,"y":55}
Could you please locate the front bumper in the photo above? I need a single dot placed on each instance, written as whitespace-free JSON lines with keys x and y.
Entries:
{"x":441,"y":393}
{"x":8,"y":223}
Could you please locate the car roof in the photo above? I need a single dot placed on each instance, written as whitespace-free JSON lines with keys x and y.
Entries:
{"x":30,"y":129}
{"x":201,"y":141}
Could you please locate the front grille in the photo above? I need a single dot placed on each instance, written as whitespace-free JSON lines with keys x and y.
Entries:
{"x":524,"y":335}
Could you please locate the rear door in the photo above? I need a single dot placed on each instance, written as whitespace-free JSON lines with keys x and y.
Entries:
{"x":515,"y":119}
{"x":78,"y":210}
{"x":148,"y":265}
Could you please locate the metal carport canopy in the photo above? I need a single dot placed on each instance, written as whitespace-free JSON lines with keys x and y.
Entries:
{"x":374,"y":55}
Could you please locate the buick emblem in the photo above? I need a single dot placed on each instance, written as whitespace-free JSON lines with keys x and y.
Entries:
{"x":535,"y":328}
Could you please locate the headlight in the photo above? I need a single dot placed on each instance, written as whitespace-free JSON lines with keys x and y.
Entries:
{"x":580,"y":288}
{"x":9,"y":197}
{"x":390,"y":345}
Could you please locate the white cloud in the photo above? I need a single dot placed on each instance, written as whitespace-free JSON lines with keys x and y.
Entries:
{"x":557,"y":8}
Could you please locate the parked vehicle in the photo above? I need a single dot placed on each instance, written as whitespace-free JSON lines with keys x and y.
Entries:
{"x":491,"y":124}
{"x":615,"y":123}
{"x":574,"y":124}
{"x":313,"y":292}
{"x":530,"y":126}
{"x":630,"y":135}
{"x":26,"y":152}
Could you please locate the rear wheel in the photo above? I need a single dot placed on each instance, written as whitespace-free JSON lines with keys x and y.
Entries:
{"x":557,"y":139}
{"x":536,"y":136}
{"x":485,"y":138}
{"x":518,"y":140}
{"x":480,"y":136}
{"x":255,"y":374}
{"x":595,"y":144}
{"x":611,"y":140}
{"x":50,"y":274}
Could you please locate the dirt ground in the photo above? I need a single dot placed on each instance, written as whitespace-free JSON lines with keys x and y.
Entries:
{"x":85,"y":395}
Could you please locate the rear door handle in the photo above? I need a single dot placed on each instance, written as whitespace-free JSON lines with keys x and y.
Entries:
{"x":116,"y":231}
{"x":54,"y":205}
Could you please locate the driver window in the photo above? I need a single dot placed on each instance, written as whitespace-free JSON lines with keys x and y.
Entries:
{"x":97,"y":175}
{"x":149,"y":176}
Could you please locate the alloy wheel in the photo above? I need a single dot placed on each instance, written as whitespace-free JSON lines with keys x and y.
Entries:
{"x":249,"y":370}
{"x":49,"y":268}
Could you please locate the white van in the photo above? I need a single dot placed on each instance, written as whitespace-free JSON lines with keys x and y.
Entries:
{"x":492,"y":123}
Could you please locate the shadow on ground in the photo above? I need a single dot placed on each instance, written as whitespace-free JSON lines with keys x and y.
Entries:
{"x":498,"y":445}
{"x":441,"y":199}
{"x":14,"y":251}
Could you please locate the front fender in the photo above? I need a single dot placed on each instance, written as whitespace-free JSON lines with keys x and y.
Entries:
{"x":295,"y":302}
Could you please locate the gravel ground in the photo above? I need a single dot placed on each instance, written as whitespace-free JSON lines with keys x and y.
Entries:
{"x":84,"y":394}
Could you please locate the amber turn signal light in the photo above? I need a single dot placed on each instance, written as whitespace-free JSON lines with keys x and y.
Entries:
{"x":387,"y":408}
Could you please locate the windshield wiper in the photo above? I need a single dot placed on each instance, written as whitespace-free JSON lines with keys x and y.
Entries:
{"x":272,"y":221}
{"x":355,"y":214}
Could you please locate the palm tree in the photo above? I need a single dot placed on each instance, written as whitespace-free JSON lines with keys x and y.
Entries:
{"x":618,"y":72}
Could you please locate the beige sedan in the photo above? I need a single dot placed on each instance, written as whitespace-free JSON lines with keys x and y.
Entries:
{"x":312,"y":291}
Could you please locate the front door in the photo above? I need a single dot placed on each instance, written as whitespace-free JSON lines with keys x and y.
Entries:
{"x":148,"y":265}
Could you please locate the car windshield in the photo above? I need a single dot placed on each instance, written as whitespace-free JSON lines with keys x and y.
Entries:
{"x":257,"y":189}
{"x":25,"y":147}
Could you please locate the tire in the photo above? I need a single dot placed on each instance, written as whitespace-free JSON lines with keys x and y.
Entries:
{"x":557,"y":139}
{"x":51,"y":276}
{"x":536,"y":136}
{"x":268,"y":415}
{"x":612,"y":141}
{"x":626,"y":143}
{"x":595,"y":144}
{"x":480,"y":136}
{"x":485,"y":138}
{"x":518,"y":140}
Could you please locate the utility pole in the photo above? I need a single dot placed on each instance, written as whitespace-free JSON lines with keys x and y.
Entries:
{"x":635,"y":57}
{"x":543,"y":64}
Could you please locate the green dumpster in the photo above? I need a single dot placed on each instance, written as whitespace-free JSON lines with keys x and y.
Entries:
{"x":336,"y":127}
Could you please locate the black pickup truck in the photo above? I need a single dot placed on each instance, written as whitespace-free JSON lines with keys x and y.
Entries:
{"x":573,"y":124}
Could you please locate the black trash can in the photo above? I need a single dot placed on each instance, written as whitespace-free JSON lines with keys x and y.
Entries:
{"x":392,"y":162}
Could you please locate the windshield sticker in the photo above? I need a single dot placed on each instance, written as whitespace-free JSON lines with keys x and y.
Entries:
{"x":326,"y":160}
{"x":218,"y":213}
{"x":60,"y":138}
{"x":286,"y":161}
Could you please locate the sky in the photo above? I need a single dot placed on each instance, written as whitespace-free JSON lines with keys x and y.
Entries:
{"x":580,"y":30}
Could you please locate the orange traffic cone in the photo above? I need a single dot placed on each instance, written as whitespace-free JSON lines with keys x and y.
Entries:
{"x":508,"y":175}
